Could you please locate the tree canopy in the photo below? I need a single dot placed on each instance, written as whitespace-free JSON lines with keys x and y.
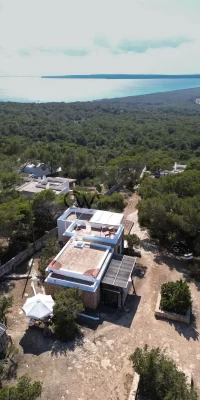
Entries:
{"x":170,"y":206}
{"x":23,"y":390}
{"x":159,"y":377}
{"x":176,"y":297}
{"x":68,"y":306}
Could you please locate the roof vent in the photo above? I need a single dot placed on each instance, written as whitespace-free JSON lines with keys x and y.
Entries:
{"x":79,"y":244}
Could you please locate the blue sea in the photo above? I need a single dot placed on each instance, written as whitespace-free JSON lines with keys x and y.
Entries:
{"x":36,"y":89}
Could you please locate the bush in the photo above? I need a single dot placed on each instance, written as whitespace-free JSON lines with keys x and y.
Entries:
{"x":50,"y":249}
{"x":176,"y":297}
{"x":6,"y":302}
{"x":114,"y":202}
{"x":25,"y":389}
{"x":159,"y":377}
{"x":68,"y":306}
{"x":132,"y":240}
{"x":194,"y":271}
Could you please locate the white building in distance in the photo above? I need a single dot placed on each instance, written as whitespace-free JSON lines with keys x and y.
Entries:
{"x":58,"y":185}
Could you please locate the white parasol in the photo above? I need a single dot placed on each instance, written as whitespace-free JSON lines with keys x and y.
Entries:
{"x":38,"y":306}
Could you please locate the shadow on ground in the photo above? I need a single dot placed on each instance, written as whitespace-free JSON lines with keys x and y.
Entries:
{"x":34,"y":342}
{"x":7,"y":286}
{"x":176,"y":263}
{"x":23,"y":268}
{"x":10,"y":370}
{"x":171,"y":261}
{"x":189,"y":331}
{"x":139,"y":271}
{"x":149,"y":246}
{"x":122,"y":317}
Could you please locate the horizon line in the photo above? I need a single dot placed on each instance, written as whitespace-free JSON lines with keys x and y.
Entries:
{"x":101,"y":75}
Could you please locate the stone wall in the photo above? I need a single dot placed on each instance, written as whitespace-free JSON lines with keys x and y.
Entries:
{"x":170,"y":315}
{"x":90,"y":300}
{"x":12,"y":264}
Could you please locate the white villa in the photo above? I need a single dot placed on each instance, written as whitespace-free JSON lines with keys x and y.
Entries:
{"x":91,"y":259}
{"x":179,"y":168}
{"x":91,"y":225}
{"x":57,"y":184}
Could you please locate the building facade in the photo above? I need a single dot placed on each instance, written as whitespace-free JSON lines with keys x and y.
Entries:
{"x":91,"y":258}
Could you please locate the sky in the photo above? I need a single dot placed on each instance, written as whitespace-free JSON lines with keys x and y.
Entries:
{"x":55,"y":37}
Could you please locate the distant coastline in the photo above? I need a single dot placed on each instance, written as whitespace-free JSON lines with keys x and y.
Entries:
{"x":120,"y":76}
{"x":38,"y":90}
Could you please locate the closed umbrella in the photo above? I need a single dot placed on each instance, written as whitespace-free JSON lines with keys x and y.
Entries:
{"x":38,"y":306}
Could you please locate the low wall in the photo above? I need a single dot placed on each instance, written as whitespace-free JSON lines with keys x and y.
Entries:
{"x":26,"y":254}
{"x":134,"y":387}
{"x":169,"y":315}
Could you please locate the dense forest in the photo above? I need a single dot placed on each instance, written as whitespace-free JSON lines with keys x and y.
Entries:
{"x":109,"y":142}
{"x":91,"y":138}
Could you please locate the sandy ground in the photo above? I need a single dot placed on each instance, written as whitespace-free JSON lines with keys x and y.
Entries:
{"x":97,"y":365}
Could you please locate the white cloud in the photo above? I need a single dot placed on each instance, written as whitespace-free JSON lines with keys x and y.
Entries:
{"x":91,"y":36}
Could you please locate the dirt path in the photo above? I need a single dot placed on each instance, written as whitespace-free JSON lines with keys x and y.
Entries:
{"x":130,"y":208}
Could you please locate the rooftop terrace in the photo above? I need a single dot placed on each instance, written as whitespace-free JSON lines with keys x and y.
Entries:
{"x":79,"y":258}
{"x":98,"y":231}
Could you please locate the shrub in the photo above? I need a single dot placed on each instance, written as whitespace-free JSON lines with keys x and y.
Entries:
{"x":24,"y":389}
{"x":114,"y":202}
{"x":159,"y":377}
{"x":194,"y":271}
{"x":50,"y":249}
{"x":6,"y":302}
{"x":68,"y":306}
{"x":176,"y":297}
{"x":132,"y":240}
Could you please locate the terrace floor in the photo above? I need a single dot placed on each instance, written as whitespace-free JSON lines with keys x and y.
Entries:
{"x":95,"y":232}
{"x":81,"y":259}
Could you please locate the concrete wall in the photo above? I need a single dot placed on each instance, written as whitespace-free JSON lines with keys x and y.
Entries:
{"x":11,"y":265}
{"x":119,"y":244}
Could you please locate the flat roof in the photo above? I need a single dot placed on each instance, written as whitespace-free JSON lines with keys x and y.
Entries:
{"x":119,"y":271}
{"x":30,"y":187}
{"x":106,"y":218}
{"x":86,"y":260}
{"x":77,"y":215}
